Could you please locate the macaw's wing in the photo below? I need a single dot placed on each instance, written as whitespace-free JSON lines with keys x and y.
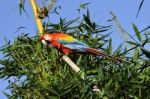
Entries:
{"x":74,"y":45}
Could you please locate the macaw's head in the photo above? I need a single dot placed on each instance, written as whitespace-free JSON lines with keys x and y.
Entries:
{"x":45,"y":39}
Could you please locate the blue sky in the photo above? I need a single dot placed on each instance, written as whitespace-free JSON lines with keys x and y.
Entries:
{"x":125,"y":10}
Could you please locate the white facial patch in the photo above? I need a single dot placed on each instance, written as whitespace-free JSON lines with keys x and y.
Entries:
{"x":46,"y":37}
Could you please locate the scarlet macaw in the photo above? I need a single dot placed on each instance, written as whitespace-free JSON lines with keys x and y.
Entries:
{"x":67,"y":44}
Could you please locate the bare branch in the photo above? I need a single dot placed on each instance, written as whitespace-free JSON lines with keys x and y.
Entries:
{"x":72,"y":65}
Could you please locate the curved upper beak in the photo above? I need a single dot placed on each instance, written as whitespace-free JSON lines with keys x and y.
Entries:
{"x":44,"y":42}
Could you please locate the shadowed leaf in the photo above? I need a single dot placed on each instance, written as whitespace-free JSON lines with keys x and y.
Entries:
{"x":146,"y":52}
{"x":140,"y":8}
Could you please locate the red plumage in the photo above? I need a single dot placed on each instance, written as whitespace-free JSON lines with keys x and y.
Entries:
{"x":67,"y":44}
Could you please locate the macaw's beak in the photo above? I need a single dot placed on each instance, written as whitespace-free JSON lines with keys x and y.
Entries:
{"x":44,"y":42}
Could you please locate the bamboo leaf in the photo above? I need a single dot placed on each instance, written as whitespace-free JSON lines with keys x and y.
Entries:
{"x":136,"y":55}
{"x":132,"y":43}
{"x":146,"y":52}
{"x":137,"y":32}
{"x":140,"y":8}
{"x":87,"y":20}
{"x":70,"y":22}
{"x":125,"y":34}
{"x":118,"y":49}
{"x":84,"y":5}
{"x":110,"y":46}
{"x":108,"y":84}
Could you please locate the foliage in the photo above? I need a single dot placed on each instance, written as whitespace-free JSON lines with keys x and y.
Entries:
{"x":140,"y":6}
{"x":36,"y":71}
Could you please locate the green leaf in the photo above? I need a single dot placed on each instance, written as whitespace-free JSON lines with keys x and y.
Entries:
{"x":146,"y":52}
{"x":124,"y":52}
{"x":137,"y":32}
{"x":52,"y":97}
{"x":79,"y":60}
{"x":83,"y":5}
{"x":110,"y":46}
{"x":133,"y":43}
{"x":87,"y":20}
{"x":125,"y":34}
{"x":136,"y":55}
{"x":118,"y":49}
{"x":142,"y":1}
{"x":70,"y":22}
{"x":56,"y":9}
{"x":6,"y":94}
{"x":108,"y":84}
{"x":54,"y":92}
{"x":103,"y":37}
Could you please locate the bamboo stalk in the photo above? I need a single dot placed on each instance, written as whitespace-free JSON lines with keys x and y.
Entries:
{"x":38,"y":20}
{"x":73,"y":65}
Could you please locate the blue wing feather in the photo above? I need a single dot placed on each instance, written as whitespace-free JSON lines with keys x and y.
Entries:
{"x":75,"y":45}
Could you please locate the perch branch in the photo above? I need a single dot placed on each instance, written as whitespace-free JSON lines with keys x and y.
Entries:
{"x":72,"y":65}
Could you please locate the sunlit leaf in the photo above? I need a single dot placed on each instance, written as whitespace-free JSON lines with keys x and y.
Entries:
{"x":137,"y":32}
{"x":136,"y":55}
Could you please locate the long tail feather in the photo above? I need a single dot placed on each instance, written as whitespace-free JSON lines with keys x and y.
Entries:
{"x":97,"y":52}
{"x":104,"y":55}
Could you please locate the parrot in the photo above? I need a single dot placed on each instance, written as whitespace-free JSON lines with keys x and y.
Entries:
{"x":68,"y":44}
